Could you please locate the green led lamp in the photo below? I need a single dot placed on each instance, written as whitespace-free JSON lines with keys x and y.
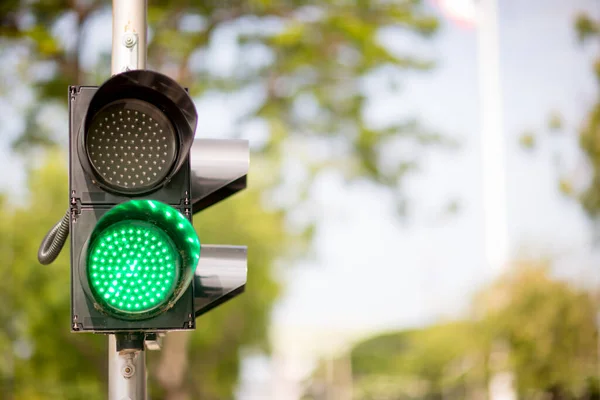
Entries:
{"x":141,"y":257}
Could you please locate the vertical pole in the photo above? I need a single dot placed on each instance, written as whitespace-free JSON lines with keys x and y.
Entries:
{"x":126,"y":371}
{"x":496,"y":242}
{"x":496,"y":247}
{"x":129,"y":32}
{"x":127,"y":367}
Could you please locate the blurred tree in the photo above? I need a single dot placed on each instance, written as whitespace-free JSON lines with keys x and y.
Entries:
{"x":438,"y":362}
{"x":305,"y":66}
{"x":527,"y":140}
{"x":587,"y":30}
{"x":547,"y":324}
{"x":41,"y":359}
{"x":549,"y":327}
{"x":588,"y":194}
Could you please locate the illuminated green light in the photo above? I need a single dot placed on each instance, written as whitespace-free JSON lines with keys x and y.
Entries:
{"x":141,"y":256}
{"x":111,"y":286}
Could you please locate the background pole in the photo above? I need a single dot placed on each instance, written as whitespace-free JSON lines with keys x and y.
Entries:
{"x":127,"y":367}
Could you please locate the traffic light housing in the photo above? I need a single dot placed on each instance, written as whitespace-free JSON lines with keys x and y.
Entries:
{"x":134,"y":251}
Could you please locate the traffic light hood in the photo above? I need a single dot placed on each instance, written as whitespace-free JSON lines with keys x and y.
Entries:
{"x":138,"y":132}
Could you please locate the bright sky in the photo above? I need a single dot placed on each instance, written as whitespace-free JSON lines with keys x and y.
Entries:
{"x":373,"y":272}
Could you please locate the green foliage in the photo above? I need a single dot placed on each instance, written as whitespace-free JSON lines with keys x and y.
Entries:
{"x":41,"y":359}
{"x":528,"y":322}
{"x":590,"y":143}
{"x":549,"y":326}
{"x":35,"y":316}
{"x":555,"y":122}
{"x":587,"y":28}
{"x":413,"y":364}
{"x":527,"y":140}
{"x":379,"y":354}
{"x":318,"y":56}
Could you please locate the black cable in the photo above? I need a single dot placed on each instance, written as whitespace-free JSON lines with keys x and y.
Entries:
{"x":54,"y":241}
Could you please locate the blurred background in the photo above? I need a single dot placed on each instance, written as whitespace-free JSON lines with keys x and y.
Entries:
{"x":422,"y":211}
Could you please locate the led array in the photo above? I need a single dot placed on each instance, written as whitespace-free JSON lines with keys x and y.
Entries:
{"x":133,"y":266}
{"x":130,"y":146}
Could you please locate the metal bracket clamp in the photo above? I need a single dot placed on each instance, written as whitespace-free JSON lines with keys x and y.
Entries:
{"x":153,"y":341}
{"x":129,"y":51}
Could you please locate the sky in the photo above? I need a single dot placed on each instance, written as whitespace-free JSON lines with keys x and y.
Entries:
{"x":369,"y":260}
{"x":373,"y":271}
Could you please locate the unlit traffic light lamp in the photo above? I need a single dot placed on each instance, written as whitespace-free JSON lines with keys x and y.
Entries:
{"x":136,"y":176}
{"x":131,"y":146}
{"x":136,"y":135}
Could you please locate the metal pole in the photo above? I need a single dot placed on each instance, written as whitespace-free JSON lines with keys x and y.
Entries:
{"x":496,"y":238}
{"x":127,"y":367}
{"x":496,"y":243}
{"x":126,"y":372}
{"x":129,"y":35}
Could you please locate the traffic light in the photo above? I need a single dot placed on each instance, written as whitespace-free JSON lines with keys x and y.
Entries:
{"x":137,"y":264}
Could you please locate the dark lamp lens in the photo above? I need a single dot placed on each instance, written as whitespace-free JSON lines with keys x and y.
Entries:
{"x":131,"y":145}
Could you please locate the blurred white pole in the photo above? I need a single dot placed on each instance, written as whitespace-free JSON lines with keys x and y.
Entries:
{"x":127,"y":369}
{"x":495,"y":229}
{"x":484,"y":14}
{"x":492,"y":139}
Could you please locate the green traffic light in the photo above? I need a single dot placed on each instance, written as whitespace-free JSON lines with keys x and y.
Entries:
{"x":134,"y":266}
{"x":142,"y":256}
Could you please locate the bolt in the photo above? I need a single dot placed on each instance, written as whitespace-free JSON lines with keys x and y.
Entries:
{"x":129,"y":40}
{"x":128,"y":371}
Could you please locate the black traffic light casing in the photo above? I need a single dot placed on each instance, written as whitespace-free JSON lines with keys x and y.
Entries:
{"x":91,"y":196}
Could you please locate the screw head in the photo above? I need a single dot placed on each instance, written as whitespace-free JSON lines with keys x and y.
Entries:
{"x":129,"y":40}
{"x":128,"y":370}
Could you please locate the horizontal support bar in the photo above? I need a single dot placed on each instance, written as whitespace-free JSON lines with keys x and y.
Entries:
{"x":220,"y":275}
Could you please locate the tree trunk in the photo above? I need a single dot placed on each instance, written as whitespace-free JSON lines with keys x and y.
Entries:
{"x":170,"y":373}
